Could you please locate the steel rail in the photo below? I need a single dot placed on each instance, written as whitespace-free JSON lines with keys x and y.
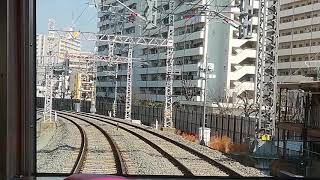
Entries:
{"x":120,"y":165}
{"x":83,"y":148}
{"x":215,"y":163}
{"x":173,"y":160}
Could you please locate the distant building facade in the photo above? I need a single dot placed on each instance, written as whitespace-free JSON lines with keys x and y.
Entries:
{"x":299,"y":42}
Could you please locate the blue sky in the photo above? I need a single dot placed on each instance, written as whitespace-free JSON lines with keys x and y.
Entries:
{"x":63,"y":11}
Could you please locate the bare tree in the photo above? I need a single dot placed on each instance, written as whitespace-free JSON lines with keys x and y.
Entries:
{"x":122,"y":95}
{"x":189,"y":90}
{"x":157,"y":104}
{"x":247,"y":104}
{"x":221,"y":101}
{"x":292,"y":105}
{"x":136,"y":100}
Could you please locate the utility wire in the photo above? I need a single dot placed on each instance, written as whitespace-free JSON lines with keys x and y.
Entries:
{"x":193,"y":20}
{"x":80,"y":15}
{"x":208,"y":21}
{"x":161,"y":19}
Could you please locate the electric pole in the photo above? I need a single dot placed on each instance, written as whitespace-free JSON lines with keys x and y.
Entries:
{"x":47,"y":112}
{"x":266,"y":66}
{"x":204,"y":102}
{"x":169,"y":70}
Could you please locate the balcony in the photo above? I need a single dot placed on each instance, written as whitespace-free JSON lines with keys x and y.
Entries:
{"x":189,"y":52}
{"x":299,"y":64}
{"x":302,"y":50}
{"x":299,"y":10}
{"x":162,"y":83}
{"x":193,"y":20}
{"x":177,"y":53}
{"x":284,"y":52}
{"x":189,"y":36}
{"x":294,"y":78}
{"x":299,"y":23}
{"x":109,"y":73}
{"x":299,"y":37}
{"x":152,"y":70}
{"x":111,"y":84}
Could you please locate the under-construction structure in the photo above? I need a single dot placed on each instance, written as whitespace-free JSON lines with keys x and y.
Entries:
{"x":82,"y":77}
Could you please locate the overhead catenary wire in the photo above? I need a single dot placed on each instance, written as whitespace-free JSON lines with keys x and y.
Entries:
{"x":185,"y":34}
{"x":77,"y":19}
{"x":161,"y":20}
{"x":208,"y":20}
{"x":191,"y":9}
{"x":172,"y":12}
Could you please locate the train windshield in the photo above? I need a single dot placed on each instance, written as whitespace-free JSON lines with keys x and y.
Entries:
{"x":170,"y":88}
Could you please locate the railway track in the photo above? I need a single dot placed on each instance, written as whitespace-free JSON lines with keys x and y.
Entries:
{"x":83,"y":147}
{"x":100,"y":154}
{"x":184,"y":170}
{"x":58,"y":147}
{"x":189,"y":161}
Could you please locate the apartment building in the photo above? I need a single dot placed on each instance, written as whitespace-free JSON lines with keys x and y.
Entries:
{"x":197,"y":40}
{"x":236,"y":73}
{"x":299,"y":42}
{"x":41,"y":48}
{"x":60,"y":45}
